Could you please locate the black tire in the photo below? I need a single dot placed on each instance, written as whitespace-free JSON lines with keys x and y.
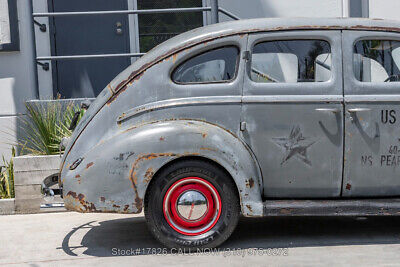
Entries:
{"x":230,"y":208}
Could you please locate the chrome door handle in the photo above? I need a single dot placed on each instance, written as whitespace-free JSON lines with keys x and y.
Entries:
{"x":354,"y":110}
{"x":333,"y":110}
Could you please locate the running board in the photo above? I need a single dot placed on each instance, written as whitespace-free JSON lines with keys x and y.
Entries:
{"x":333,"y":207}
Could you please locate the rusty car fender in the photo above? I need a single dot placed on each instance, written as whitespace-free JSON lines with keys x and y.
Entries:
{"x":114,"y":175}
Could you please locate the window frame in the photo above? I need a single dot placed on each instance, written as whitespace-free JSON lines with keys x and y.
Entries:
{"x":372,"y":39}
{"x":13,"y":45}
{"x":333,"y":87}
{"x":201,"y":53}
{"x":352,"y":85}
{"x":289,"y":39}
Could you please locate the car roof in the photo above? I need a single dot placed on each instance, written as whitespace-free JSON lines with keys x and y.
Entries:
{"x":210,"y":32}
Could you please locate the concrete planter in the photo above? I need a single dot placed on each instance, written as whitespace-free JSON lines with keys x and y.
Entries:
{"x":7,"y":206}
{"x":29,"y":172}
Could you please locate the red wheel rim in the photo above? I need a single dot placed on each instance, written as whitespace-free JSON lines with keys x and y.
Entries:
{"x":192,"y":206}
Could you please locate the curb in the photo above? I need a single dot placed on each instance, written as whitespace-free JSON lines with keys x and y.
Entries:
{"x":7,"y":206}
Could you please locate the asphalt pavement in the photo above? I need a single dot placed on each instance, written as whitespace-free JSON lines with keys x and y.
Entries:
{"x":69,"y":238}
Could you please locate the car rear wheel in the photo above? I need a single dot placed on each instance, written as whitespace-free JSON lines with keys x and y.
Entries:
{"x":192,"y":204}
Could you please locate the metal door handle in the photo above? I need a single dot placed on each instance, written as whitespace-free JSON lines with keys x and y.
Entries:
{"x":353,"y":110}
{"x":333,"y":110}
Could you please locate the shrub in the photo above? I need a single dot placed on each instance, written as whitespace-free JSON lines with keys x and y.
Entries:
{"x":44,"y":126}
{"x":42,"y":130}
{"x":7,"y":178}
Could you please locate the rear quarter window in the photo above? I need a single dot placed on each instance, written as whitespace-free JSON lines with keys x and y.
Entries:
{"x":217,"y":65}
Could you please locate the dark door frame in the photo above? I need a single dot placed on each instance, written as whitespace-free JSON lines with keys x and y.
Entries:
{"x":53,"y":46}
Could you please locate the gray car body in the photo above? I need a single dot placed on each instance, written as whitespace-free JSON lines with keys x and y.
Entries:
{"x":143,"y":121}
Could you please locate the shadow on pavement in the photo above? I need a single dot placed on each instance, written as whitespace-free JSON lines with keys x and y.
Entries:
{"x":118,"y":237}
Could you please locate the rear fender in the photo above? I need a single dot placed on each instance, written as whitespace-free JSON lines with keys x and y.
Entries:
{"x":115,"y":174}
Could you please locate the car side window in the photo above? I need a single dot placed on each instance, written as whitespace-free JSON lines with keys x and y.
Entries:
{"x":376,"y":60}
{"x":217,"y":65}
{"x":291,"y":61}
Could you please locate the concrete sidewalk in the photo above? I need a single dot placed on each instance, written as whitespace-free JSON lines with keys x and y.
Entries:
{"x":59,"y":239}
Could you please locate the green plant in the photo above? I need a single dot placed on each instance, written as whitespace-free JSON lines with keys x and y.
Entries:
{"x":7,"y":178}
{"x":63,"y":126}
{"x":44,"y":126}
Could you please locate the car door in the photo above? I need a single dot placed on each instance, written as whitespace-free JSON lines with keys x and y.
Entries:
{"x":292,"y":113}
{"x":372,"y":98}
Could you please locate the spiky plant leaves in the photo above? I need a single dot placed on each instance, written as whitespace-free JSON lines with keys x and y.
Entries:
{"x":7,"y":178}
{"x":44,"y":127}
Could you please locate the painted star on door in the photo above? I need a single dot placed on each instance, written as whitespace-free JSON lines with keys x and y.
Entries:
{"x":295,"y":145}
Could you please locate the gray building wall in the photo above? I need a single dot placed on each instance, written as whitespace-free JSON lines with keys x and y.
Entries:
{"x":17,"y":69}
{"x":287,"y":8}
{"x":17,"y":76}
{"x":386,"y":9}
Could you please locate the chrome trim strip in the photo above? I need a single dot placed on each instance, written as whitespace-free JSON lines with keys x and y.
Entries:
{"x":291,"y":98}
{"x":171,"y":103}
{"x":371,"y":98}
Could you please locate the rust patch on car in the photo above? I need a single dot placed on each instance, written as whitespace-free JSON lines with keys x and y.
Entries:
{"x":155,"y":155}
{"x":250,"y":183}
{"x":249,"y":208}
{"x":148,"y":175}
{"x":110,"y":89}
{"x":348,"y":186}
{"x":285,"y":211}
{"x":78,"y":177}
{"x":77,"y":202}
{"x":174,"y":57}
{"x":123,"y":115}
{"x":90,"y":164}
{"x":208,"y":148}
{"x":116,"y":206}
{"x":126,"y":207}
{"x":141,"y":109}
{"x":138,"y":200}
{"x":135,"y":76}
{"x":102,"y":199}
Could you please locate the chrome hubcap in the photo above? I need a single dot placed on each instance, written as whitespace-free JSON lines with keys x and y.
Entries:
{"x":192,"y":205}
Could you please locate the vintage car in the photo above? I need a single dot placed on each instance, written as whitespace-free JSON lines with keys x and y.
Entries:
{"x":262,"y":117}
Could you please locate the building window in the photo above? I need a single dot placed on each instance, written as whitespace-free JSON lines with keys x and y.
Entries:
{"x":9,"y":39}
{"x":157,"y":28}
